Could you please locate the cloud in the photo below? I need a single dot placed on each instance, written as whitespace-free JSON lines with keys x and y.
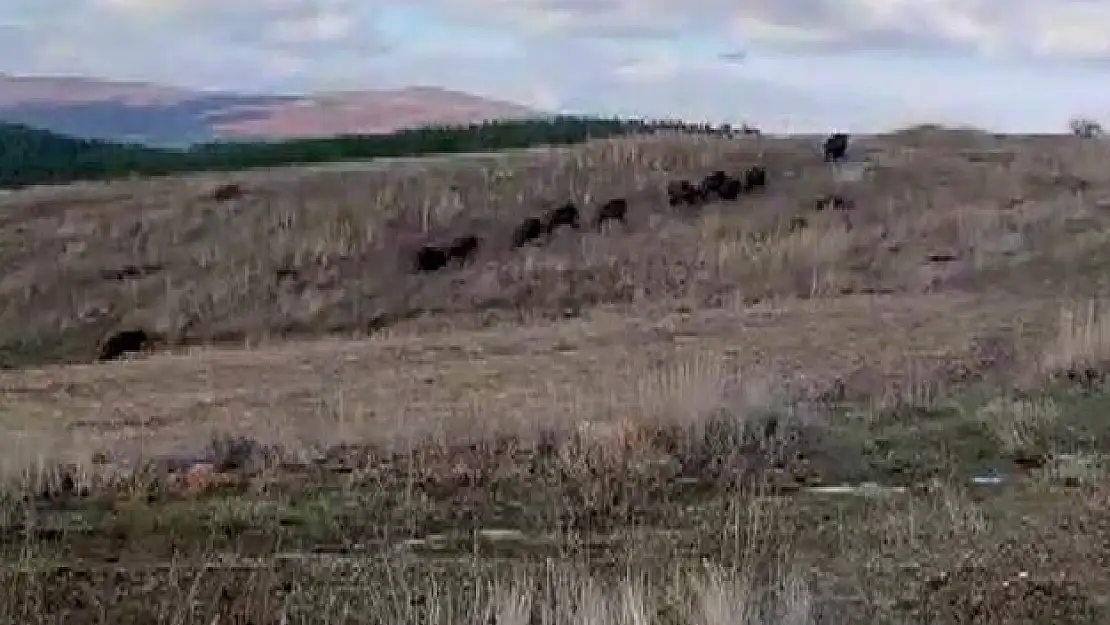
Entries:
{"x":213,"y":43}
{"x":1061,"y":29}
{"x":800,"y":64}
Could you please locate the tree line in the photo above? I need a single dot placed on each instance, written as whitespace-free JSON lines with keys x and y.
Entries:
{"x":30,"y":156}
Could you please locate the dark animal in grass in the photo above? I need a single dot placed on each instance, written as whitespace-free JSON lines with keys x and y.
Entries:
{"x":566,"y":215}
{"x":130,"y":271}
{"x":711,"y":184}
{"x":798,"y":222}
{"x":226,"y":192}
{"x":436,"y":257}
{"x":674,"y":192}
{"x":237,"y":453}
{"x":730,"y":189}
{"x":529,"y":230}
{"x":755,"y":177}
{"x":682,"y":192}
{"x":836,"y":147}
{"x":431,"y":258}
{"x":834,"y":201}
{"x":123,"y":342}
{"x":462,"y":248}
{"x":613,"y":210}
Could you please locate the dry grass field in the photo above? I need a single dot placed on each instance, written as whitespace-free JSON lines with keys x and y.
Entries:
{"x":642,"y":425}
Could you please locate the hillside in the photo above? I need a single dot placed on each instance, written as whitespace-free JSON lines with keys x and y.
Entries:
{"x":651,"y":423}
{"x":161,"y":115}
{"x":332,"y":289}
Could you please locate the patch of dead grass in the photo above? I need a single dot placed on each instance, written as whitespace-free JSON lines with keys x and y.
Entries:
{"x":1021,"y":425}
{"x":453,"y":384}
{"x":321,"y":251}
{"x":1082,"y":341}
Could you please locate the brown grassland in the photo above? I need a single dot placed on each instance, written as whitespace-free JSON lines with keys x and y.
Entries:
{"x":635,"y":426}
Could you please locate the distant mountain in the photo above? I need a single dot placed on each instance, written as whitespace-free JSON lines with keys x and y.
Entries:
{"x":170,"y":116}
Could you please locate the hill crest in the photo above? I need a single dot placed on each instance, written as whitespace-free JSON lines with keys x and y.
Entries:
{"x":155,"y":114}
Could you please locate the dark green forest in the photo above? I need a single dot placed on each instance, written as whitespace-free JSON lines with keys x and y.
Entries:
{"x":30,"y":156}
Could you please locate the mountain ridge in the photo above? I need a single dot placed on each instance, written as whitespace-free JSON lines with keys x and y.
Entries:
{"x":165,"y":115}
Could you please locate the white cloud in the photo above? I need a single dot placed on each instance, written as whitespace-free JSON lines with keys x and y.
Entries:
{"x":322,"y":27}
{"x":1035,"y":27}
{"x":1071,"y":29}
{"x":803,"y":63}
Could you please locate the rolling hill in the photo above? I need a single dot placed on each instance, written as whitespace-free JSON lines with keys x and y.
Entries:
{"x":170,"y":116}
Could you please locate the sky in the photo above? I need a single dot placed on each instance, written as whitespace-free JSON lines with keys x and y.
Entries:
{"x":783,"y":65}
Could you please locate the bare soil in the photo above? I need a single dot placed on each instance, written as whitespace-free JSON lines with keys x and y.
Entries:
{"x":621,"y":427}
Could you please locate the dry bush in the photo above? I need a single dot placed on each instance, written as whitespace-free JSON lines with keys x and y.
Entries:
{"x":716,"y":596}
{"x":1082,"y":342}
{"x":1085,"y":128}
{"x":1022,"y":426}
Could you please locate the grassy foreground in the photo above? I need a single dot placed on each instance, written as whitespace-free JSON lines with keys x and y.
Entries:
{"x":665,"y":456}
{"x":691,"y":502}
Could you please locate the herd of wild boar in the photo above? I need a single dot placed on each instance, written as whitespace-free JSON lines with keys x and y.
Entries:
{"x":717,"y":186}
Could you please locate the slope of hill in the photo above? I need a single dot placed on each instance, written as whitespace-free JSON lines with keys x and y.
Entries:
{"x":449,"y":196}
{"x":657,"y":423}
{"x":162,"y":115}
